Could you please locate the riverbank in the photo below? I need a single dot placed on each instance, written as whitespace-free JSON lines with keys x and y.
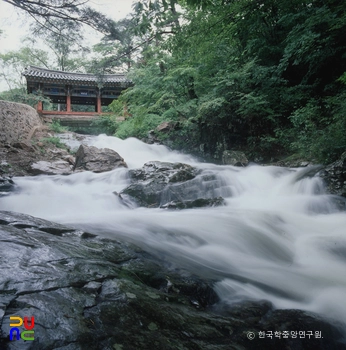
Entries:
{"x":16,"y":159}
{"x":46,"y":153}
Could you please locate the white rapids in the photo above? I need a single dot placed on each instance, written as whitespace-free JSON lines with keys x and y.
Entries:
{"x":279,"y":238}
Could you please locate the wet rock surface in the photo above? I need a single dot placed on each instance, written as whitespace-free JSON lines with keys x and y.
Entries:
{"x":6,"y":185}
{"x":39,"y":157}
{"x":97,"y":160}
{"x":43,"y":157}
{"x":89,"y":293}
{"x":175,"y":185}
{"x":197,"y":203}
{"x":335,"y":176}
{"x":59,"y":167}
{"x":235,"y":158}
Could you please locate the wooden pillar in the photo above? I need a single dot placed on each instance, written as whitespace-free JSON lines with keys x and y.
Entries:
{"x":68,"y":103}
{"x":68,"y":100}
{"x":39,"y":106}
{"x":98,"y":102}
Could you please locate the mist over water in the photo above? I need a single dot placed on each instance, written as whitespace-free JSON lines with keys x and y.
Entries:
{"x":279,"y":238}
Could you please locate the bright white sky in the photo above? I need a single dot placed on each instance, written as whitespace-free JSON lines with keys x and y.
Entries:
{"x":14,"y":23}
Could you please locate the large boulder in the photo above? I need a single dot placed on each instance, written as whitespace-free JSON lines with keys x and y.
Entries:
{"x":60,"y":163}
{"x":97,"y":160}
{"x":58,"y":167}
{"x":173,"y":185}
{"x":17,"y":122}
{"x":235,"y":158}
{"x":89,"y":293}
{"x":335,"y":176}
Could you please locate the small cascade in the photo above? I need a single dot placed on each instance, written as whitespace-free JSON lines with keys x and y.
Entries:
{"x":279,"y":237}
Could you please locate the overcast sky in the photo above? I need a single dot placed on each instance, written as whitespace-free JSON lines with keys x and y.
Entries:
{"x":14,"y":23}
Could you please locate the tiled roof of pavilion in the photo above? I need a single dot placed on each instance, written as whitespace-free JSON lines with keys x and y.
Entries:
{"x":42,"y":75}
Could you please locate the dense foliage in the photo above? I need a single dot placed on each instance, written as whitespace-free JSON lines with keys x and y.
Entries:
{"x":267,"y":77}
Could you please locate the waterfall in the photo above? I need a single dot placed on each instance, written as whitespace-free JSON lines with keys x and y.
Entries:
{"x":280,"y":237}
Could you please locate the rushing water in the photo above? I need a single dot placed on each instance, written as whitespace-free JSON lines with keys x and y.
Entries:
{"x":279,"y":238}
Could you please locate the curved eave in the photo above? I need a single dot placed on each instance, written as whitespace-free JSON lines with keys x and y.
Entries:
{"x":41,"y":75}
{"x":77,"y":82}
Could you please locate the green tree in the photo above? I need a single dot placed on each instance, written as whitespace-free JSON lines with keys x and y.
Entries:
{"x":156,"y":18}
{"x":20,"y":95}
{"x":64,"y":41}
{"x":13,"y":63}
{"x":65,"y":10}
{"x":247,"y":74}
{"x":115,"y":50}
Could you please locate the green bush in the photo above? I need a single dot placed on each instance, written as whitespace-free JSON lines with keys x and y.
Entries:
{"x":21,"y":96}
{"x":106,"y":124}
{"x":138,"y":126}
{"x":320,"y":129}
{"x":57,"y":127}
{"x":54,"y":141}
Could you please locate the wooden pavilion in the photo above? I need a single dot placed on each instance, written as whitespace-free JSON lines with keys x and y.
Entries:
{"x":68,"y":89}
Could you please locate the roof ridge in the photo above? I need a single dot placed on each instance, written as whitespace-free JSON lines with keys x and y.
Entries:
{"x":31,"y":67}
{"x":44,"y":74}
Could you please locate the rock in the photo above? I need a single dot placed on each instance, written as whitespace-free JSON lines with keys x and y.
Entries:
{"x":308,"y":171}
{"x":292,"y":162}
{"x":92,"y":287}
{"x":235,"y":158}
{"x":165,"y":127}
{"x":23,"y":145}
{"x":335,"y":176}
{"x":164,"y":172}
{"x":160,"y":183}
{"x":59,"y":167}
{"x":23,"y":158}
{"x":152,"y":137}
{"x":89,"y":293}
{"x":197,"y":203}
{"x":69,"y":158}
{"x":304,"y":164}
{"x":57,"y":153}
{"x":97,"y":160}
{"x":18,"y":121}
{"x":6,"y":185}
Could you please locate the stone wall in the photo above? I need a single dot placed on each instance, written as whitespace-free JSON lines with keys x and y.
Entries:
{"x":17,"y":122}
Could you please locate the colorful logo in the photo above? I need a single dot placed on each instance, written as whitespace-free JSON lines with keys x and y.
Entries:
{"x":16,"y":321}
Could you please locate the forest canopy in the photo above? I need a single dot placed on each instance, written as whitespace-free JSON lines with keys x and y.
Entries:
{"x":267,"y":77}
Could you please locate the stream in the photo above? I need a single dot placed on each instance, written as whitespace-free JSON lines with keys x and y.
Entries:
{"x":280,"y":237}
